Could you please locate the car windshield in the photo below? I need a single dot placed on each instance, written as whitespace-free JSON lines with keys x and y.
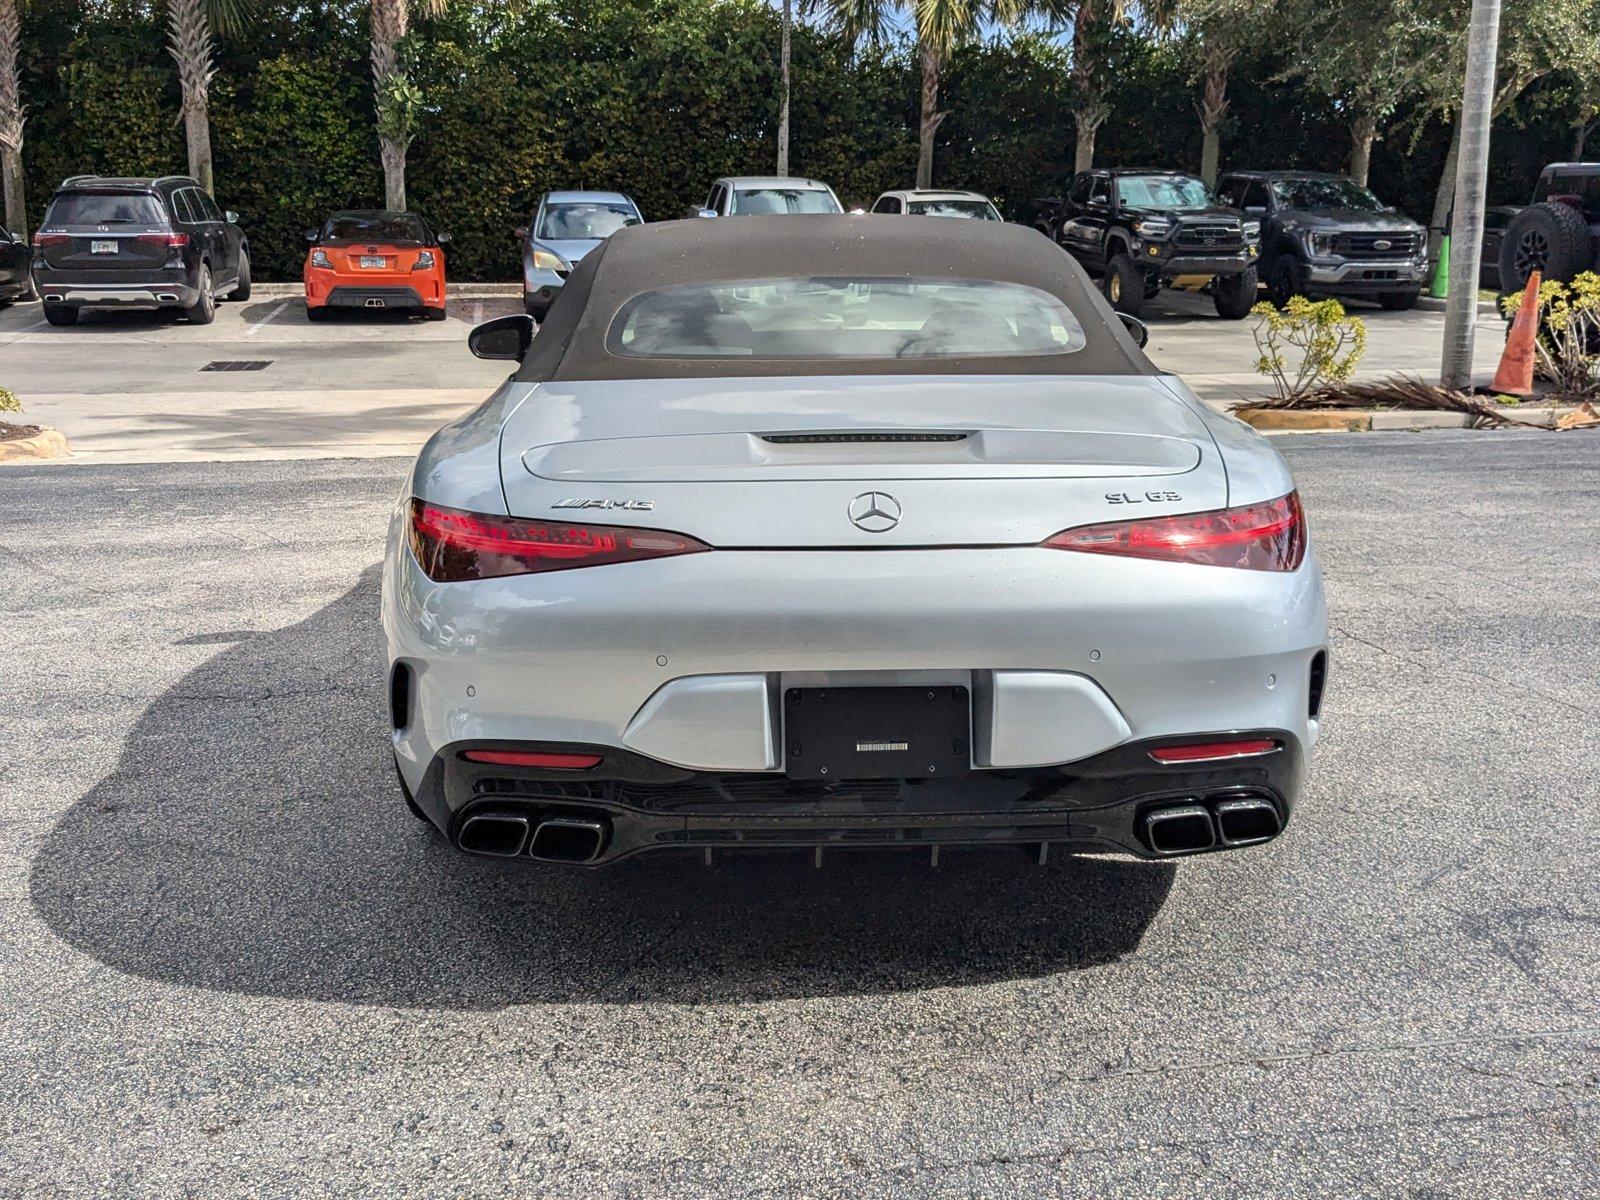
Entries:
{"x":1162,"y":191}
{"x":394,"y":228}
{"x":105,"y":208}
{"x":1323,"y":195}
{"x":755,"y":201}
{"x":980,"y":210}
{"x":820,"y":318}
{"x":588,"y":221}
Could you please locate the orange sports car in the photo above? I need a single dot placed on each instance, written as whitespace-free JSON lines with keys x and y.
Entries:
{"x":373,"y":259}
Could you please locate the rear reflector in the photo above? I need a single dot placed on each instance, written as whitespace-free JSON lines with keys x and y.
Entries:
{"x":552,"y":760}
{"x":452,"y":545}
{"x":1211,"y":751}
{"x":1260,"y":537}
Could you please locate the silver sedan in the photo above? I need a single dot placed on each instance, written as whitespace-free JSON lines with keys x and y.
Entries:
{"x":827,"y":533}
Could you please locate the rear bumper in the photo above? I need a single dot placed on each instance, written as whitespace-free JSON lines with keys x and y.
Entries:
{"x":372,"y":297}
{"x":1103,"y":804}
{"x":153,"y":294}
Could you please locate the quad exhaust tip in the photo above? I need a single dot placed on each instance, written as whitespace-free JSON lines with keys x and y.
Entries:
{"x":497,"y":835}
{"x":1179,"y":829}
{"x":1229,"y":821}
{"x":1245,"y":820}
{"x":567,"y":839}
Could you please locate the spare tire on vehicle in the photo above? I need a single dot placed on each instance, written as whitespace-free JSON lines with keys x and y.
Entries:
{"x":1551,"y":238}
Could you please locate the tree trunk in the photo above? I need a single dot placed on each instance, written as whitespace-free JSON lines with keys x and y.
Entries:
{"x":1582,"y":127}
{"x":1213,"y":110}
{"x":12,"y":118}
{"x":1088,"y":121}
{"x":197,"y":131}
{"x":1363,"y":132}
{"x":189,"y":40}
{"x":932,"y":64}
{"x":783,"y":102}
{"x":393,"y":154}
{"x":1087,"y":116}
{"x":1445,"y":197}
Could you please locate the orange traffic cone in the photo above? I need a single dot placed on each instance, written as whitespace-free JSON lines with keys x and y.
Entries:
{"x":1515,"y":374}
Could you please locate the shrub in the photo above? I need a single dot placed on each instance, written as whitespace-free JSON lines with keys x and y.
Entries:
{"x":1328,"y":342}
{"x":9,"y":401}
{"x":1568,"y":345}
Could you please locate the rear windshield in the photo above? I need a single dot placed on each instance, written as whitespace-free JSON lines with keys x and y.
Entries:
{"x":393,"y":228}
{"x":1162,"y":191}
{"x":749,"y":202}
{"x":587,"y":221}
{"x":980,"y":210}
{"x":833,"y":318}
{"x":105,"y":208}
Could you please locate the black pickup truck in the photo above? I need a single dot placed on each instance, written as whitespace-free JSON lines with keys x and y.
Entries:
{"x":1325,"y":235}
{"x":1140,"y":231}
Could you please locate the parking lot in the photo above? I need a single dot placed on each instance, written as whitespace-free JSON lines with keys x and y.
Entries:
{"x":233,"y":964}
{"x":131,"y":387}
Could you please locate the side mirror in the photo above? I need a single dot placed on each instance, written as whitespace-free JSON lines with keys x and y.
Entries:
{"x":231,"y":217}
{"x":627,"y":221}
{"x":694,"y":210}
{"x":442,"y":239}
{"x":1137,"y":329}
{"x":504,"y":337}
{"x":312,"y":235}
{"x":520,"y":233}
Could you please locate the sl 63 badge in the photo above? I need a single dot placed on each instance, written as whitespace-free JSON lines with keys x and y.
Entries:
{"x":630,"y":505}
{"x":1145,"y":498}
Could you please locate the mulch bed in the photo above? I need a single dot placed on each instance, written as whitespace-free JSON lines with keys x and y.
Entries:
{"x":11,"y":433}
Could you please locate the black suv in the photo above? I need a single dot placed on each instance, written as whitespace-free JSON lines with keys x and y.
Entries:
{"x":137,"y":243}
{"x":13,"y":267}
{"x":1558,"y":234}
{"x":1142,"y":230}
{"x":1326,"y":235}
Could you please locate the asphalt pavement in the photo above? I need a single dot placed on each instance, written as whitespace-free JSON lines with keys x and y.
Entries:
{"x":231,"y":964}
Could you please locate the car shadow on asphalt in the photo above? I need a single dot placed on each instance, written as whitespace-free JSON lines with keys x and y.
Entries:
{"x":251,"y":839}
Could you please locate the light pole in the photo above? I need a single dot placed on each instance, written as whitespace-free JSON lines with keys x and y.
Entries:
{"x":1472,"y":169}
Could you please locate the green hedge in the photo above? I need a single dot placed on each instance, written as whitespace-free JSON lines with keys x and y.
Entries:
{"x":651,"y":97}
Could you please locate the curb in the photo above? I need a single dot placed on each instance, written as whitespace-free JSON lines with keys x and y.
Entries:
{"x":47,"y":443}
{"x":453,"y":291}
{"x":1305,"y":420}
{"x":1390,"y":420}
{"x":1430,"y":304}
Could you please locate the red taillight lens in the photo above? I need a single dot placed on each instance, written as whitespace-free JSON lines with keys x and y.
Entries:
{"x":50,"y":239}
{"x":551,"y":760}
{"x":1258,"y":537}
{"x":452,"y":545}
{"x":175,"y":240}
{"x":1212,"y":751}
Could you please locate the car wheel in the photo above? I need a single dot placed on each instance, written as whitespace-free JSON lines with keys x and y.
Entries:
{"x":316,"y":312}
{"x":1124,"y":285}
{"x":241,"y":291}
{"x":1235,"y":295}
{"x":1399,"y":301}
{"x":1550,"y":238}
{"x":60,"y":314}
{"x":435,"y":314}
{"x":204,"y":310}
{"x":1285,"y":278}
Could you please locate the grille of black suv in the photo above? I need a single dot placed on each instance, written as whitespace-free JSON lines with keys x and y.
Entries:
{"x":1210,"y":237}
{"x":1375,"y":245}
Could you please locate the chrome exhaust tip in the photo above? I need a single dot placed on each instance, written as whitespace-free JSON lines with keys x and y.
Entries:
{"x":49,"y":299}
{"x":1179,"y":829}
{"x":374,"y":303}
{"x":167,"y":297}
{"x":494,"y":834}
{"x":567,"y":839}
{"x":1246,"y":820}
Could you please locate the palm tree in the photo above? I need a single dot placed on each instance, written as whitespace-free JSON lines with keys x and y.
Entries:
{"x":12,"y":116}
{"x":398,"y":101}
{"x":189,"y":26}
{"x":943,"y":26}
{"x":783,"y":103}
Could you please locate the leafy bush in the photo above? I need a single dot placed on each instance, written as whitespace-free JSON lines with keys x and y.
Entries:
{"x":9,"y":401}
{"x":1568,"y":345}
{"x":1329,"y":344}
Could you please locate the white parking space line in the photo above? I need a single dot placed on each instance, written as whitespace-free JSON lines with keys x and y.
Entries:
{"x":477,"y":313}
{"x":256,"y":328}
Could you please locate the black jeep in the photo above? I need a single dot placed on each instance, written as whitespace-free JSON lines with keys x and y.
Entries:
{"x":138,"y":243}
{"x":1325,"y":235}
{"x":1141,"y":230}
{"x":1558,"y":234}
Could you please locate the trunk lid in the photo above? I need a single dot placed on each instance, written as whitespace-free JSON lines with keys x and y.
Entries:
{"x":777,"y":462}
{"x":105,"y":231}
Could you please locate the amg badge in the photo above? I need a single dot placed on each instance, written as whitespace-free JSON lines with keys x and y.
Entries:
{"x":630,"y":505}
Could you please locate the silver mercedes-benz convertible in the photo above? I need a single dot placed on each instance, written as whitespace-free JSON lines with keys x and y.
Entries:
{"x":836,"y":531}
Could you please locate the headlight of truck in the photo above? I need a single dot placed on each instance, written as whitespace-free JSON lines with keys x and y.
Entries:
{"x":1252,"y":231}
{"x":1152,"y":227}
{"x":1319,"y":244}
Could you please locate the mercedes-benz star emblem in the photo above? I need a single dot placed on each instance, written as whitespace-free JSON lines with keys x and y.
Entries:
{"x":875,"y":512}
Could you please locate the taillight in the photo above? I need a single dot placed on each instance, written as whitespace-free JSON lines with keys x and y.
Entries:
{"x":1258,"y":537}
{"x":50,"y":239}
{"x":175,"y":240}
{"x":452,"y":545}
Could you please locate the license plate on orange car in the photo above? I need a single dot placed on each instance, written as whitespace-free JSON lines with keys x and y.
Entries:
{"x":373,"y":262}
{"x":102,"y":247}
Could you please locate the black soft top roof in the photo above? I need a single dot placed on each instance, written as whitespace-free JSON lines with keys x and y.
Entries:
{"x":571,"y":345}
